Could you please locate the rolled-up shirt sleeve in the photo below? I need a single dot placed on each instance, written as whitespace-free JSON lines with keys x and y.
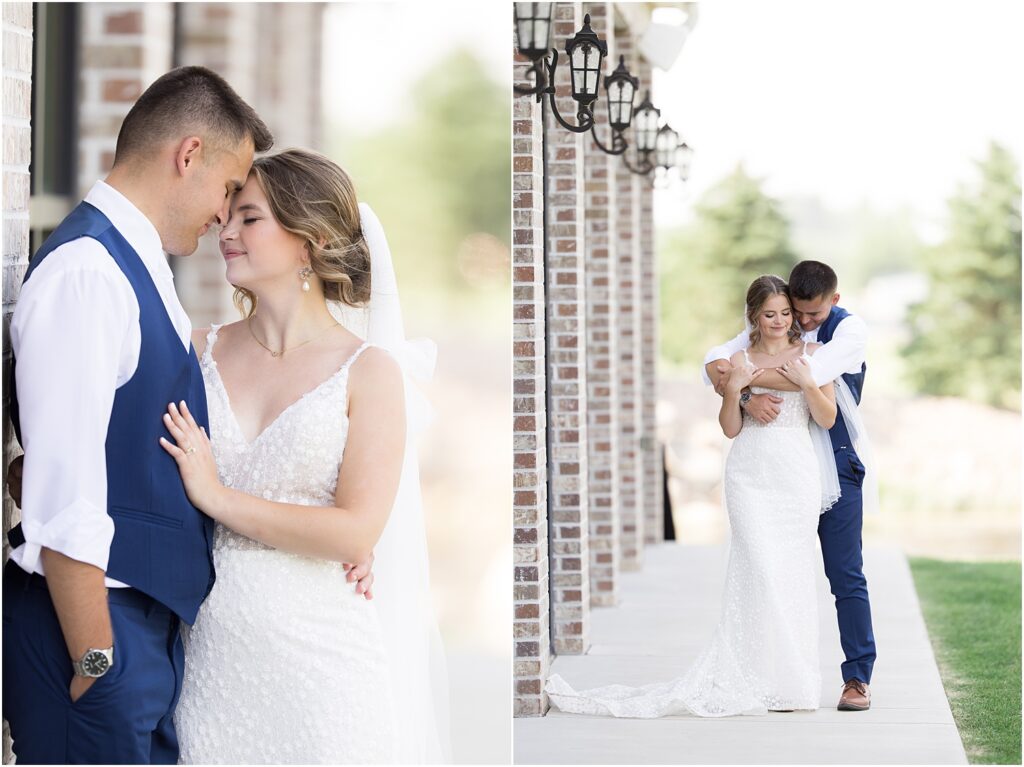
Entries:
{"x":72,"y":338}
{"x":724,"y":352}
{"x":845,"y":353}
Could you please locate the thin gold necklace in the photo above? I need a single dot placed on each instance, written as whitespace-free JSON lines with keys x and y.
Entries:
{"x":773,"y":356}
{"x":278,"y":354}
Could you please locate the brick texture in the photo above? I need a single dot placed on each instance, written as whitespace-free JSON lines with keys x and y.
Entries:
{"x":567,"y":374}
{"x":531,"y":606}
{"x":651,"y":496}
{"x":628,"y":363}
{"x":602,"y":344}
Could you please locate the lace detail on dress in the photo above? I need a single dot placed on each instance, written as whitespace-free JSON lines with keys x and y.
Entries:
{"x":310,"y":473}
{"x":793,"y":412}
{"x":285,"y":663}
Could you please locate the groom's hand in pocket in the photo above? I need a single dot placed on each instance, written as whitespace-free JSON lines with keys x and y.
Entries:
{"x":362,"y":575}
{"x":764,"y":408}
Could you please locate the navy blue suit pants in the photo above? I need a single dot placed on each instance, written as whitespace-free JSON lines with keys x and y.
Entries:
{"x":125,"y":717}
{"x":839,"y":530}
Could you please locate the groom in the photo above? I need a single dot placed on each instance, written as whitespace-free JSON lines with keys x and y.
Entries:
{"x":814,"y":290}
{"x":111,"y":556}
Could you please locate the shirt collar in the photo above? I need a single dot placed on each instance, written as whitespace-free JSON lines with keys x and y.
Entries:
{"x":133,"y":226}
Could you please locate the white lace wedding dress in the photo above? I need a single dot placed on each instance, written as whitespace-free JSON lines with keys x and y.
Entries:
{"x":764,"y":653}
{"x":285,"y":663}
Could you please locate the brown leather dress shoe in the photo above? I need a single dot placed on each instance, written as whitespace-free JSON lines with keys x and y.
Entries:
{"x":855,"y":697}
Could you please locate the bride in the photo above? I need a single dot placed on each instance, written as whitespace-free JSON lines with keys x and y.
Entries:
{"x":309,"y":468}
{"x":764,"y":653}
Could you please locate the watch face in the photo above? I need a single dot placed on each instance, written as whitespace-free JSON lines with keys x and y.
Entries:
{"x":95,"y":663}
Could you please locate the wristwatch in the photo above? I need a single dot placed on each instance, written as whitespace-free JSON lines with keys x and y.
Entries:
{"x":745,"y":398}
{"x":95,"y":663}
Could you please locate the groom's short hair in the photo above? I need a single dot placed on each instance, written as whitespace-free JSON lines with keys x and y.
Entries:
{"x":189,"y":101}
{"x":812,"y":279}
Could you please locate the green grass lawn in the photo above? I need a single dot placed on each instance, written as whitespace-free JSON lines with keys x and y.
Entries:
{"x":972,"y":610}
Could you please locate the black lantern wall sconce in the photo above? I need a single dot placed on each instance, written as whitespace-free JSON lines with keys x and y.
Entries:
{"x":620,"y":87}
{"x":655,"y":147}
{"x":585,"y":51}
{"x":647,"y":117}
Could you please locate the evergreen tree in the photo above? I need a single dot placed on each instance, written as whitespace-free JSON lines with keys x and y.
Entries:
{"x":739,"y":234}
{"x":966,"y":334}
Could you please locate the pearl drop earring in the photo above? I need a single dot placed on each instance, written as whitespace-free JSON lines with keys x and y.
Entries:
{"x":304,"y":273}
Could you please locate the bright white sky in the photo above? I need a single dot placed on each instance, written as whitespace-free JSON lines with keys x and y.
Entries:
{"x":879,"y":100}
{"x":375,"y":51}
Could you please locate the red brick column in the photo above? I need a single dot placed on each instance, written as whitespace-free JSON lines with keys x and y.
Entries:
{"x":567,"y":380}
{"x":651,"y":495}
{"x":627,"y":365}
{"x":125,"y":47}
{"x":601,"y":343}
{"x":531,"y":627}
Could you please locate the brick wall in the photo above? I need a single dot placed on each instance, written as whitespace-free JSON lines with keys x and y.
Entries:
{"x":601,"y":343}
{"x":124,"y":47}
{"x":627,"y":277}
{"x":651,"y":495}
{"x":567,"y":374}
{"x":598,"y":322}
{"x":531,"y":626}
{"x":17,"y":143}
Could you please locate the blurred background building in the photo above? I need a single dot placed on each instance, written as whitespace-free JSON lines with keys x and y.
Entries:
{"x":414,"y":105}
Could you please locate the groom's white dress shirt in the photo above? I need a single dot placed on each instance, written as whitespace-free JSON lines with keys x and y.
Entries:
{"x":76,"y":337}
{"x":845,"y":353}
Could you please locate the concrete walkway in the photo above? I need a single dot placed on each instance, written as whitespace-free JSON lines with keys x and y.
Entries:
{"x":667,"y":613}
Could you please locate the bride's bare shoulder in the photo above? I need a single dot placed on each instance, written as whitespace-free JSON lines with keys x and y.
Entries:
{"x":375,"y":373}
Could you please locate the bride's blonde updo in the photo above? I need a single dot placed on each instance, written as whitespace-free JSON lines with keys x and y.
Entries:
{"x":760,"y":290}
{"x":312,"y":197}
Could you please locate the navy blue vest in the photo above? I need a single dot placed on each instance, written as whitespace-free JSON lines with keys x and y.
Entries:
{"x":839,"y":433}
{"x":162,"y":544}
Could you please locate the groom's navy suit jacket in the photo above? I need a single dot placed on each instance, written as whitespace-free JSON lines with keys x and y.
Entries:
{"x":162,"y":544}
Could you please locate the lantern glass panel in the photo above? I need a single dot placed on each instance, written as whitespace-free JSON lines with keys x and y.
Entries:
{"x":665,"y":148}
{"x":615,"y":102}
{"x":534,"y":26}
{"x":524,"y":25}
{"x":646,"y":127}
{"x":643,"y":119}
{"x":683,"y":161}
{"x":615,"y":90}
{"x":628,"y":92}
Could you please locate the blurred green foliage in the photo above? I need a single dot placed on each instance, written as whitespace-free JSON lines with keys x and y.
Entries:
{"x":738,"y":234}
{"x":966,"y":334}
{"x":439,"y":175}
{"x":860,"y":243}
